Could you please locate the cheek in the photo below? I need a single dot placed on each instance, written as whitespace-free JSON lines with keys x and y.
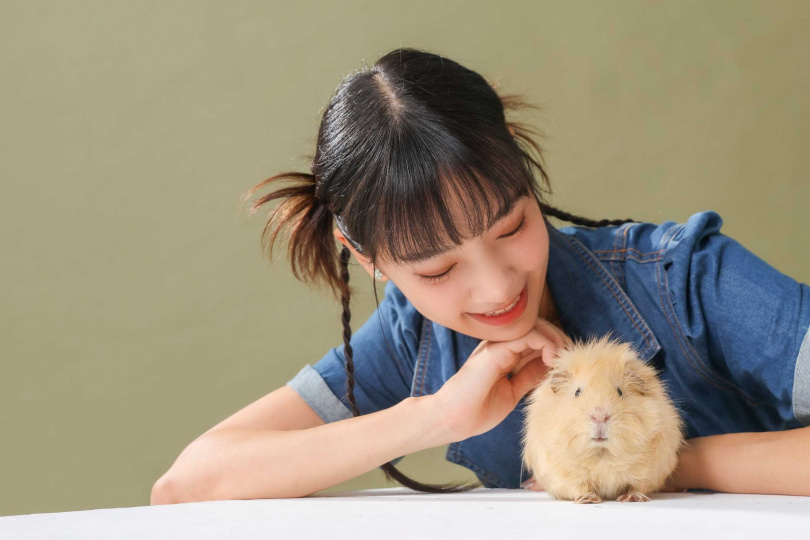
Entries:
{"x":439,"y":303}
{"x":443,"y":305}
{"x":530,"y":253}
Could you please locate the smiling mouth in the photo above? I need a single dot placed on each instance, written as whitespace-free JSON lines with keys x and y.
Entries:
{"x":505,"y":308}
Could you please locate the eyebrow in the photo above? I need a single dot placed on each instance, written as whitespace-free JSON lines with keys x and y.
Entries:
{"x":438,"y":251}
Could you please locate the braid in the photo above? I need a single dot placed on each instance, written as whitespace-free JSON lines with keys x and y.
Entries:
{"x":347,"y":329}
{"x":578,"y":220}
{"x":391,"y":472}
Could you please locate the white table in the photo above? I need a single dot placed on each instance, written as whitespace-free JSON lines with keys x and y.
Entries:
{"x":401,"y":513}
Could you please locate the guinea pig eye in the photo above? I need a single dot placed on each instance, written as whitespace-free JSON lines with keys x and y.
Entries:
{"x":576,"y":394}
{"x":620,"y":391}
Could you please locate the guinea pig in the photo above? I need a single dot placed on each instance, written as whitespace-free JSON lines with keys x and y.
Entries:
{"x":601,"y":425}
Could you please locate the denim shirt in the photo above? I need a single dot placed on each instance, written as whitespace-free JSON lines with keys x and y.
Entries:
{"x":727,"y":333}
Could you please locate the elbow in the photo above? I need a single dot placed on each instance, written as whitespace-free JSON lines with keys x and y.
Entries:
{"x":176,"y":487}
{"x":186,"y":481}
{"x":170,"y":490}
{"x":162,"y":492}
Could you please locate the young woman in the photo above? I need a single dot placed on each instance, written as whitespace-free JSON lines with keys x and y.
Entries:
{"x":419,"y":175}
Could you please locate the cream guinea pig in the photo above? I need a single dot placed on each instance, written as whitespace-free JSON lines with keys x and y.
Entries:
{"x":601,"y":426}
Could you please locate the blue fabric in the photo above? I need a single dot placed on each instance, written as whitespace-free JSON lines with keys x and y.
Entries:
{"x":384,"y":352}
{"x":728,"y":333}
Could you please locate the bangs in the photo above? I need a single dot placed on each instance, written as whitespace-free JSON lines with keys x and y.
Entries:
{"x":435,"y":197}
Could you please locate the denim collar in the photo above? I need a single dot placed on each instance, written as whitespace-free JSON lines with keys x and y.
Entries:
{"x":589,"y":300}
{"x":590,"y":303}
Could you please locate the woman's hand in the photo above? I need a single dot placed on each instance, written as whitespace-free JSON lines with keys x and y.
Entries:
{"x":532,"y":485}
{"x":480,"y":396}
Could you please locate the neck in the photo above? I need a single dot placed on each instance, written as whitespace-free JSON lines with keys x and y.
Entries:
{"x":548,"y":310}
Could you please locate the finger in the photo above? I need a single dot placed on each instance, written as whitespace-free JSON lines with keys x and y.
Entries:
{"x":527,"y":356}
{"x":509,"y":361}
{"x":559,"y":338}
{"x":528,"y":377}
{"x":555,"y":334}
{"x":484,"y":370}
{"x":549,"y":353}
{"x":512,"y":355}
{"x":533,"y":341}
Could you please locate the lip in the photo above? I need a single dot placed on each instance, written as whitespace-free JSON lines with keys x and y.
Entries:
{"x":509,"y":303}
{"x":505,"y":318}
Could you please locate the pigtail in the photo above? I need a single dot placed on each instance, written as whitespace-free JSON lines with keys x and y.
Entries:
{"x":578,"y":220}
{"x":311,"y":249}
{"x":391,"y":472}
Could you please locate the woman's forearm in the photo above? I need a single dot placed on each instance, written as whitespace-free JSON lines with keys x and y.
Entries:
{"x":262,"y":464}
{"x":770,"y":463}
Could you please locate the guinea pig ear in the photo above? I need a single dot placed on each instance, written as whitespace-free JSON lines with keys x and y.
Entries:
{"x":558,"y":379}
{"x":634,"y":381}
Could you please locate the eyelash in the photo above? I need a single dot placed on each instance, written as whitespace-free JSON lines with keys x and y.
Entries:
{"x":442,"y":277}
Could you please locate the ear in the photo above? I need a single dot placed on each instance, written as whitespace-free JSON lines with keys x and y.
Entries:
{"x":558,"y":379}
{"x":635,"y":381}
{"x":362,"y":259}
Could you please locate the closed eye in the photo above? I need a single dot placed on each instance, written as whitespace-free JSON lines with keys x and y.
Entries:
{"x":441,"y":277}
{"x":519,"y":228}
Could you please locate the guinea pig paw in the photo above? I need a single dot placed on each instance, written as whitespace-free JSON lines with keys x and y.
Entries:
{"x":632,"y":496}
{"x":588,"y":498}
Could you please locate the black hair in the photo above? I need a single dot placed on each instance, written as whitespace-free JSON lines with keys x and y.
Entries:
{"x":399,"y":142}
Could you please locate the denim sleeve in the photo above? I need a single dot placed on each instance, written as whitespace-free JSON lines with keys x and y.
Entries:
{"x":753,"y":319}
{"x":384,"y":352}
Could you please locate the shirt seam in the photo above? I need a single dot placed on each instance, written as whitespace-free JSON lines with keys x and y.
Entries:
{"x":635,"y":317}
{"x":694,"y":359}
{"x":426,"y":363}
{"x":422,"y":353}
{"x":616,"y":265}
{"x":801,"y":382}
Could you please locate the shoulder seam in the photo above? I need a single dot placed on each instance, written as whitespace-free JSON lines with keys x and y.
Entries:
{"x":425,"y":332}
{"x":623,"y":253}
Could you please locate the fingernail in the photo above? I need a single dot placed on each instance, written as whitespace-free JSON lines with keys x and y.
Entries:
{"x":527,"y":484}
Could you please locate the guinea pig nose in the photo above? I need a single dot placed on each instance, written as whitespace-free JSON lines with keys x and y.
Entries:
{"x":600,"y":415}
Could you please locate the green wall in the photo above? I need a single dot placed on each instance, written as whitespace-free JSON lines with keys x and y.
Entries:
{"x":137,"y":307}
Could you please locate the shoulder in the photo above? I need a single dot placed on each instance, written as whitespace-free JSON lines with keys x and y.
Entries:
{"x":647,"y":241}
{"x":698,"y":249}
{"x":701,"y":232}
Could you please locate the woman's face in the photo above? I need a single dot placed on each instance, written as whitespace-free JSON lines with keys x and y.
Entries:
{"x":483,"y":274}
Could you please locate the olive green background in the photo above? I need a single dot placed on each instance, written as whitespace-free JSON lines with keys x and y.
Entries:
{"x":137,"y":306}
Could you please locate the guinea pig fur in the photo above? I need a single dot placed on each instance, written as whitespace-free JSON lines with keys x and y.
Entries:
{"x":601,"y":426}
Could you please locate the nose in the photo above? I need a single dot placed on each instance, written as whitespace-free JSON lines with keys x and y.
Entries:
{"x":498,"y":282}
{"x":600,"y":415}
